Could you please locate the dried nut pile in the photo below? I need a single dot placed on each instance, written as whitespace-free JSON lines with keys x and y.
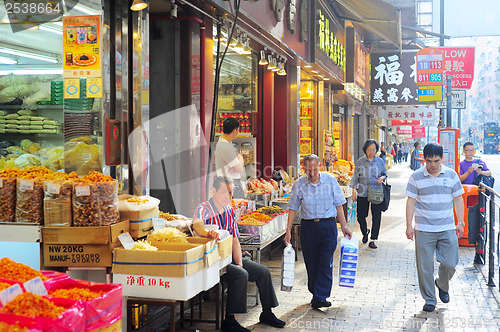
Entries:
{"x":17,"y":271}
{"x":12,"y":327}
{"x":95,"y":200}
{"x":76,"y":293}
{"x":8,"y":193}
{"x":31,"y":305}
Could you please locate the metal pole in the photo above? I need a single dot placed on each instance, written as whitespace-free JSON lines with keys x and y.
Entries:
{"x":491,"y":253}
{"x":441,"y":43}
{"x":481,"y":240}
{"x":448,"y":100}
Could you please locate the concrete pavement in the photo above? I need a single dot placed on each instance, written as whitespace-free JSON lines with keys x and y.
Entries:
{"x":386,"y":295}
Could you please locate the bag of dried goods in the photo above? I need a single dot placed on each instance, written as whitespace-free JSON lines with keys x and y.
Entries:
{"x":95,"y":200}
{"x":57,"y":199}
{"x":29,"y":199}
{"x":8,"y":194}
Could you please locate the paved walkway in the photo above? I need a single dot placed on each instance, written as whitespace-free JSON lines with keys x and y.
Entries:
{"x":386,"y":296}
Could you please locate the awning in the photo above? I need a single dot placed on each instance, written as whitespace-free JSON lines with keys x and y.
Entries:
{"x":377,"y":16}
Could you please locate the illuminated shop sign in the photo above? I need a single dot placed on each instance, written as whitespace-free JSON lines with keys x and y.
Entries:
{"x":328,"y":43}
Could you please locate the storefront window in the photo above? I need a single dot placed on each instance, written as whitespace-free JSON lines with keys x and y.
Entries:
{"x":238,"y":93}
{"x":307,"y":117}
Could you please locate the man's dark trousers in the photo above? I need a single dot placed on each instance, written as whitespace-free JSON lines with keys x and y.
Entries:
{"x":319,"y":241}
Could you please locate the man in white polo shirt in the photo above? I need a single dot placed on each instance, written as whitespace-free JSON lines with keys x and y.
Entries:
{"x":228,"y":162}
{"x":432,"y":191}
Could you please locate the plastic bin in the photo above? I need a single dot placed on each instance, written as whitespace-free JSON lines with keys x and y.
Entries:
{"x":471,"y":198}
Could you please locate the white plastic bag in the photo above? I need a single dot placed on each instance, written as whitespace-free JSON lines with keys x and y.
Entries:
{"x":288,"y":269}
{"x":348,"y":261}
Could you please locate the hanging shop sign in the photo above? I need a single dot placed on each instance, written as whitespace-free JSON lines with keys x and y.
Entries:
{"x":417,"y":131}
{"x":393,"y":78}
{"x":417,"y":113}
{"x":457,"y":100}
{"x":82,"y":46}
{"x":357,"y":59}
{"x":405,"y":122}
{"x":330,"y":41}
{"x":459,"y":62}
{"x":404,"y":130}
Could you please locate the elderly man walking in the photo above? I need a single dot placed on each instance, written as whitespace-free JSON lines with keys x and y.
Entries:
{"x":321,"y":199}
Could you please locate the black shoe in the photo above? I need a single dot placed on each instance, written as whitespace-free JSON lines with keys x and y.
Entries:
{"x":372,"y":245}
{"x":320,"y":304}
{"x":429,"y":307}
{"x":232,"y":325}
{"x":444,"y":296}
{"x":365,"y":236}
{"x":270,"y":319}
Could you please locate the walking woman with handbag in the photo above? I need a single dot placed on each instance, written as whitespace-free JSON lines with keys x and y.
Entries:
{"x":367,"y":187}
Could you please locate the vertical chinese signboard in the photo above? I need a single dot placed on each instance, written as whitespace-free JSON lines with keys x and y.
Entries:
{"x":393,"y":78}
{"x":82,"y":46}
{"x":330,"y":41}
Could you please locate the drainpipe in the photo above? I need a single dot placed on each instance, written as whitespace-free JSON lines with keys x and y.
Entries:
{"x":201,"y":22}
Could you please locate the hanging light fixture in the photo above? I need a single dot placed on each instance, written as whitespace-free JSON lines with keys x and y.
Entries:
{"x":246,"y":48}
{"x":281,"y":71}
{"x":223,"y":38}
{"x":307,"y":65}
{"x":263,"y":60}
{"x":271,"y":65}
{"x":138,"y":5}
{"x":234,"y":41}
{"x":275,"y":69}
{"x":239,"y":46}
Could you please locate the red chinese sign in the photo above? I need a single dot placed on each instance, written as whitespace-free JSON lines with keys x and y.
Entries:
{"x":404,"y":130}
{"x":459,"y":62}
{"x":405,"y":122}
{"x":418,"y":132}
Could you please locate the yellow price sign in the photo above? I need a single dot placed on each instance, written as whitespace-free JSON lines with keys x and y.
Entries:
{"x":71,"y":88}
{"x":94,"y":87}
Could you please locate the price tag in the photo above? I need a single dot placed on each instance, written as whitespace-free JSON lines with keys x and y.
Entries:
{"x":26,"y":184}
{"x":82,"y":191}
{"x":36,"y":286}
{"x":126,"y":240}
{"x":10,"y":293}
{"x":86,"y":156}
{"x":158,"y":223}
{"x":1,"y":182}
{"x":53,"y":188}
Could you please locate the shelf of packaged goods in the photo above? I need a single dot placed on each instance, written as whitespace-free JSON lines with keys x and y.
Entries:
{"x":38,"y":107}
{"x":306,"y":116}
{"x":239,"y":135}
{"x":305,"y":128}
{"x":305,"y":139}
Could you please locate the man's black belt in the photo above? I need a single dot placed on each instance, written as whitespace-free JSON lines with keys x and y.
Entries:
{"x":320,"y":219}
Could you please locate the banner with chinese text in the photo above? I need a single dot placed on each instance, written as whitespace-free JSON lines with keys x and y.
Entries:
{"x":418,"y":113}
{"x":393,"y":78}
{"x":82,"y":46}
{"x":417,"y":131}
{"x":459,"y":62}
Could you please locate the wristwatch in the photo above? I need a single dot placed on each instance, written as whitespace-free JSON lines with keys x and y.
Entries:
{"x":345,"y":227}
{"x":461,"y":223}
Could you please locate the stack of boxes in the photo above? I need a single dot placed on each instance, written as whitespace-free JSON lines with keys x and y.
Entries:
{"x":56,"y":94}
{"x":348,"y":261}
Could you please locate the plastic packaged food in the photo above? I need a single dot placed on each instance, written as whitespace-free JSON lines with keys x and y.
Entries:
{"x":7,"y":198}
{"x":57,"y":201}
{"x":95,"y":203}
{"x":29,"y":201}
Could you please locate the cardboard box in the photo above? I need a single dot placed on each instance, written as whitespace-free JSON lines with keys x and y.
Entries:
{"x":141,"y":222}
{"x":171,"y":260}
{"x":81,"y":246}
{"x":211,"y":253}
{"x":226,"y":248}
{"x":57,"y":212}
{"x":140,"y":215}
{"x":160,"y":287}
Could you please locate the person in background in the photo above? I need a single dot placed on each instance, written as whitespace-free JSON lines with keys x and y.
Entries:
{"x":400,"y":153}
{"x":470,"y":167}
{"x":396,"y":155}
{"x":320,"y":198}
{"x":415,"y":157}
{"x":383,"y":151}
{"x":390,"y":150}
{"x":406,"y":151}
{"x":432,"y":191}
{"x":229,"y":163}
{"x":218,"y":211}
{"x":370,"y":171}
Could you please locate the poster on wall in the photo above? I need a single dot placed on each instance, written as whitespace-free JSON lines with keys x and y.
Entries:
{"x":82,"y":46}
